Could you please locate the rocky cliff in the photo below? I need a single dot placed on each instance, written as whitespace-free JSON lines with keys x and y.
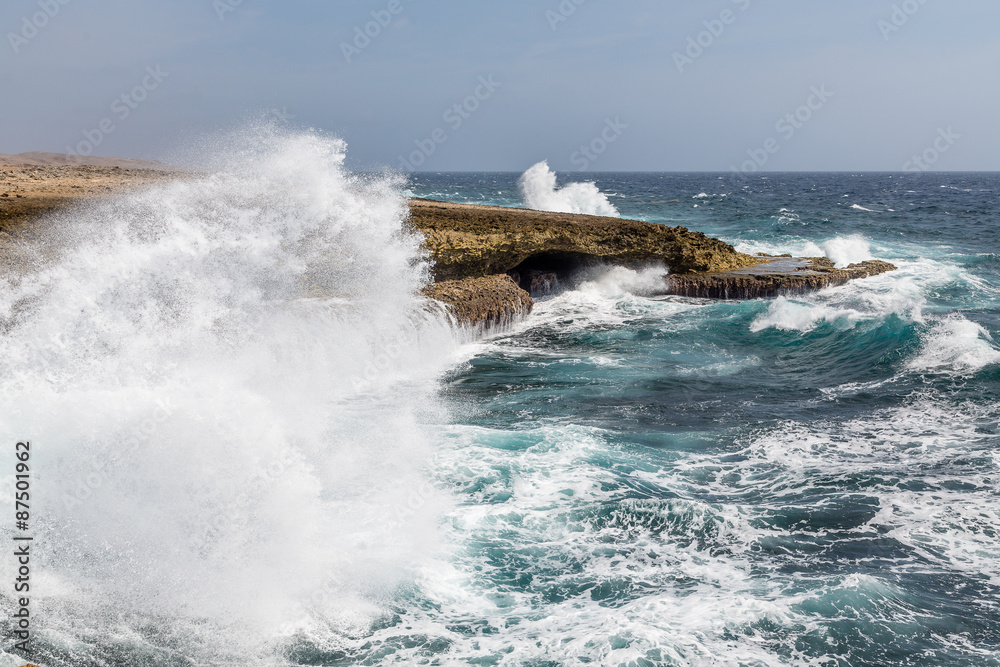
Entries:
{"x":467,"y":240}
{"x":490,"y":260}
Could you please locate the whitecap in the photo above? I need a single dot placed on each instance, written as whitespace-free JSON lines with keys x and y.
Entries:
{"x":788,"y":315}
{"x":845,"y":250}
{"x":956,"y":345}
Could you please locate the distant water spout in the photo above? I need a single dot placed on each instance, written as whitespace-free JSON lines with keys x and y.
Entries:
{"x":538,"y":187}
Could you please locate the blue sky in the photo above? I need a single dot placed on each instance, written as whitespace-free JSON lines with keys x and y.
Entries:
{"x":563,"y":74}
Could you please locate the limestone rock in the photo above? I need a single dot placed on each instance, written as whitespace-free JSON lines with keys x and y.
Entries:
{"x":774,"y":276}
{"x":469,"y":240}
{"x":488,"y":301}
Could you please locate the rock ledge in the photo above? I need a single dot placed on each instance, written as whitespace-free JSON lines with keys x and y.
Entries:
{"x":774,"y":276}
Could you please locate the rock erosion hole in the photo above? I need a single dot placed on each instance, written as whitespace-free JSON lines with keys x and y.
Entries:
{"x":542,"y":273}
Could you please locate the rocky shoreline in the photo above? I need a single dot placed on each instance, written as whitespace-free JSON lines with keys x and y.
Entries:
{"x":29,"y":191}
{"x":482,"y":252}
{"x":775,"y":276}
{"x":488,"y":261}
{"x":469,"y":240}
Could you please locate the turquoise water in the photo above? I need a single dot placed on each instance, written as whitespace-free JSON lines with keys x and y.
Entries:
{"x":808,"y":480}
{"x":254,"y":444}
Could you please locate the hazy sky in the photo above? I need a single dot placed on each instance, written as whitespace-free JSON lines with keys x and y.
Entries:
{"x":887,"y":80}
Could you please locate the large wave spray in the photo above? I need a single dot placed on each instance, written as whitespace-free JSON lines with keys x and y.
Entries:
{"x":538,"y":187}
{"x":224,"y":380}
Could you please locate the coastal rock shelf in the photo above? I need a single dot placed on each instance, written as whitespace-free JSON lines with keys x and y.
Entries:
{"x":468,"y":240}
{"x":30,"y":191}
{"x":487,"y":260}
{"x":774,"y":276}
{"x":474,"y":246}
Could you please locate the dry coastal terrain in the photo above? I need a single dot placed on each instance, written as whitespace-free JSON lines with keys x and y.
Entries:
{"x":488,"y":261}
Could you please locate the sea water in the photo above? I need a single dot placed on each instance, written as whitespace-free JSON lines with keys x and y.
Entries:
{"x":254,"y":444}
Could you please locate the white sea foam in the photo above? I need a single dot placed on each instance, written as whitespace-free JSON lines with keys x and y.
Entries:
{"x":540,"y":192}
{"x":225,"y":381}
{"x":693,"y":560}
{"x":952,"y":527}
{"x":614,"y":281}
{"x":790,"y":315}
{"x":604,"y":295}
{"x":958,"y":345}
{"x":901,"y":293}
{"x":554,"y":499}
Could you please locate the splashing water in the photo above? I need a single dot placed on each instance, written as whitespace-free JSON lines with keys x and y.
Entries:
{"x":841,"y":250}
{"x":230,"y":386}
{"x":224,"y":380}
{"x":845,"y":250}
{"x":538,"y":187}
{"x":958,"y":345}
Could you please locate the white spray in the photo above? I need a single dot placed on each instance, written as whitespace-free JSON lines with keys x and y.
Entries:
{"x":225,"y":380}
{"x":538,"y":187}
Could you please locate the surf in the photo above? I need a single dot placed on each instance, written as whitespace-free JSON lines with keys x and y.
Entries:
{"x":228,"y":380}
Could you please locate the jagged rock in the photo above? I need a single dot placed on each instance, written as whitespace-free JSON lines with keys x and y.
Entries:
{"x":541,"y":283}
{"x":488,"y":301}
{"x":468,"y":240}
{"x":774,"y":276}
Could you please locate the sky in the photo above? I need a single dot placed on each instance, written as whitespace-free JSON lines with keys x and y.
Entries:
{"x":450,"y":85}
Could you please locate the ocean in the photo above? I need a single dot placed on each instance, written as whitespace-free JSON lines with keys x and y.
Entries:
{"x":254,"y":445}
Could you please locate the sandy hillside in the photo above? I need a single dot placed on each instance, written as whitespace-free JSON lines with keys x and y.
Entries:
{"x":37,"y":159}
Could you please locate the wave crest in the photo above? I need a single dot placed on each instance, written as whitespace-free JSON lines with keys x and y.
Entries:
{"x":956,"y":344}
